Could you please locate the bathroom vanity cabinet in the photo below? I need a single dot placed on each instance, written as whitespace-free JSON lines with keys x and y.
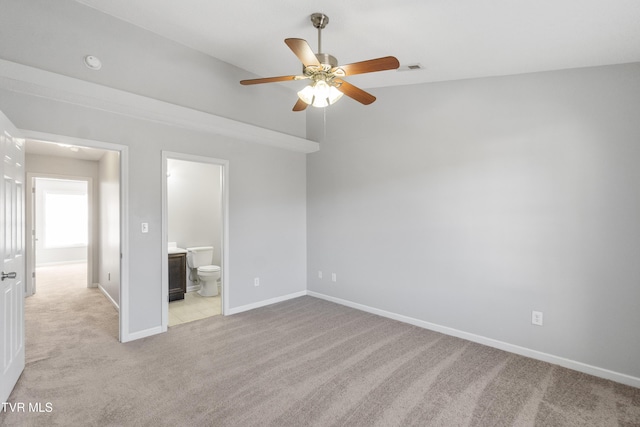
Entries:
{"x":177,"y":276}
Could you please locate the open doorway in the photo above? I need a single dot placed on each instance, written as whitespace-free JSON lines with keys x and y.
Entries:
{"x":194,"y":231}
{"x":73,"y":229}
{"x":61,"y":212}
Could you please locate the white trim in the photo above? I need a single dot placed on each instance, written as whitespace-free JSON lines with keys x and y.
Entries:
{"x":124,"y":245}
{"x":259,"y":304}
{"x":164,"y":250}
{"x":523,"y":351}
{"x":106,"y":294}
{"x":143,"y":334}
{"x":124,"y":213}
{"x":224,"y":253}
{"x":45,"y":84}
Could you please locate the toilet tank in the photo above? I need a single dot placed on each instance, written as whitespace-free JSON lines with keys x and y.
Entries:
{"x":199,"y":256}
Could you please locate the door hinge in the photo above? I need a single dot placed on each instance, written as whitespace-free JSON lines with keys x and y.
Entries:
{"x":33,"y":274}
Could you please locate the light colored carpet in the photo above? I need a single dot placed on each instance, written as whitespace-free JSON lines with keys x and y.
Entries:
{"x":303,"y":362}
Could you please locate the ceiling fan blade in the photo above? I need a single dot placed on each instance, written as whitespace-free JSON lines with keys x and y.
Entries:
{"x":271,"y":80}
{"x":354,"y":92}
{"x":300,"y":105}
{"x":303,"y":51}
{"x":370,"y":66}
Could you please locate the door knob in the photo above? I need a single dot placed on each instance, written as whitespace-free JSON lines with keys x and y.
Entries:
{"x":11,"y":275}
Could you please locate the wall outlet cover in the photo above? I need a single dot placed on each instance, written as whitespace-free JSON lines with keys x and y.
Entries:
{"x":536,"y":318}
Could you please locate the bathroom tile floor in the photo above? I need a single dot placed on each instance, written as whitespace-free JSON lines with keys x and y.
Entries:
{"x":193,"y":307}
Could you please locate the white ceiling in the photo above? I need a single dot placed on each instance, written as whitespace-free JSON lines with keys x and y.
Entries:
{"x":451,"y":39}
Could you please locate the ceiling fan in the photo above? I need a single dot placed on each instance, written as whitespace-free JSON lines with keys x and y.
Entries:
{"x":327,"y":85}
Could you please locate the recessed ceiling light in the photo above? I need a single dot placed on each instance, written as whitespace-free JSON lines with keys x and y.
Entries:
{"x":92,"y":62}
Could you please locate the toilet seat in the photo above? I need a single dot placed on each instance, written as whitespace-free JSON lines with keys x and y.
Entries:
{"x":208,"y":269}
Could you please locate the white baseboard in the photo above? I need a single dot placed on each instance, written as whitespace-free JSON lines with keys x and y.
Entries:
{"x":106,"y":294}
{"x":141,"y":334}
{"x":523,"y":351}
{"x":259,"y":304}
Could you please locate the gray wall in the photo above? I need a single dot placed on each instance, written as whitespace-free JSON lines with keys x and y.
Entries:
{"x":109,"y":184}
{"x":267,"y":186}
{"x":469,"y":204}
{"x":267,"y":201}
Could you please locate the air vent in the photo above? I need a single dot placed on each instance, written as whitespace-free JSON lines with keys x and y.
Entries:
{"x":411,"y":67}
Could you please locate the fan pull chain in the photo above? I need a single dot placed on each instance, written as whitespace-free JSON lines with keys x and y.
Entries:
{"x":324,"y":124}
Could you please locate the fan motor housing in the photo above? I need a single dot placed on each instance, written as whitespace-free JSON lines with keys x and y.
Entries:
{"x":327,"y":63}
{"x":327,"y":59}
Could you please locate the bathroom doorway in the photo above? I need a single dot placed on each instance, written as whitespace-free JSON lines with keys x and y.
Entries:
{"x":194,"y":216}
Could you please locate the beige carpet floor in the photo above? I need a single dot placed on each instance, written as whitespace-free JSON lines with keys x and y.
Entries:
{"x":303,"y":362}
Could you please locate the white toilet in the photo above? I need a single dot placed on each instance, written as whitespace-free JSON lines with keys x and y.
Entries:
{"x":200,"y":258}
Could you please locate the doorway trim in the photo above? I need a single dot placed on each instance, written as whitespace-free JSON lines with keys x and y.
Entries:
{"x":30,"y":212}
{"x":123,"y":150}
{"x":224,"y":164}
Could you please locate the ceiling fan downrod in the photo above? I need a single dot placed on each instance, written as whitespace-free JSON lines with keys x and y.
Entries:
{"x":319,"y":21}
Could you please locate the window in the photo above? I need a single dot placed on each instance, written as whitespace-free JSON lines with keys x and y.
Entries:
{"x":66,"y":221}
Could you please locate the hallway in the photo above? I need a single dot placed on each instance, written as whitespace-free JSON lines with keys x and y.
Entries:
{"x":63,"y":303}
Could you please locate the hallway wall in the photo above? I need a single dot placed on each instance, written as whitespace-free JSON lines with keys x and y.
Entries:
{"x":109,"y":266}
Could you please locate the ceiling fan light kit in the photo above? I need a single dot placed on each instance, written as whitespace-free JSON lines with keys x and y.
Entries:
{"x":320,"y":94}
{"x":327,"y":85}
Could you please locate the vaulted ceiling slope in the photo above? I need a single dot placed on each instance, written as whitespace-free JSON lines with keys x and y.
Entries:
{"x":450,"y":39}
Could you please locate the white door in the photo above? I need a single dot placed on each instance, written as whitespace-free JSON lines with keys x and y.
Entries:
{"x":11,"y":257}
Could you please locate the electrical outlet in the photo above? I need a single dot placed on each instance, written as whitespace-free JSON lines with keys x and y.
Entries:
{"x":256,"y":281}
{"x":536,"y":318}
{"x":334,"y":277}
{"x":319,"y":274}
